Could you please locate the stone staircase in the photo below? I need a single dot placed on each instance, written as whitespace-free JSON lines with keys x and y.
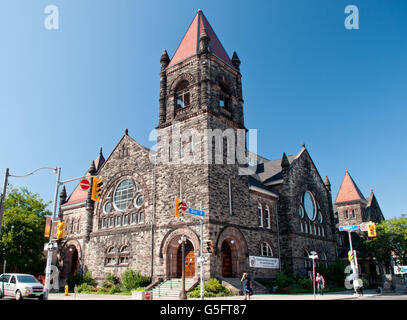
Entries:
{"x":171,"y":289}
{"x":236,"y":286}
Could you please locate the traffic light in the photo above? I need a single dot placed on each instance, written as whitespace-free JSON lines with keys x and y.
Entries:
{"x":96,"y":189}
{"x":209,"y":247}
{"x":371,"y":229}
{"x":60,"y":230}
{"x":177,"y":206}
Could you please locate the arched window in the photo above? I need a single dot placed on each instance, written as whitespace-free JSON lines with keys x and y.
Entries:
{"x":266,"y":250}
{"x":123,"y":194}
{"x":110,"y":258}
{"x":310,"y":205}
{"x":268,"y":218}
{"x":224,"y":97}
{"x":260,"y":215}
{"x":182,"y":94}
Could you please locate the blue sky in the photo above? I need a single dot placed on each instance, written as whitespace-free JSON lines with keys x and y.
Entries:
{"x":306,"y":79}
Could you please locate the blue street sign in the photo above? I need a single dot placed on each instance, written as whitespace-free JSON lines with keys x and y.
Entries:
{"x":349,"y":228}
{"x":196,"y":212}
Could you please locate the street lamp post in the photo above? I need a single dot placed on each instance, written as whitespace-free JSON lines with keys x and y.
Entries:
{"x":182,"y":294}
{"x":313,"y":256}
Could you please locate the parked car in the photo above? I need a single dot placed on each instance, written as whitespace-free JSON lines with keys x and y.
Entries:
{"x":20,"y":285}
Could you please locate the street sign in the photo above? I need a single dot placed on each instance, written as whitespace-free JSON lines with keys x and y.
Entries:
{"x":147,"y":295}
{"x":184,"y":206}
{"x":84,"y":184}
{"x":349,"y":228}
{"x":363,"y":227}
{"x":196,"y":212}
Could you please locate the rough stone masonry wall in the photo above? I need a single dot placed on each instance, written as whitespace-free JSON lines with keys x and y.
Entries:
{"x":301,"y":177}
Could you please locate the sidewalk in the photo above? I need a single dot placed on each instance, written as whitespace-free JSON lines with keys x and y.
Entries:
{"x":343,"y":295}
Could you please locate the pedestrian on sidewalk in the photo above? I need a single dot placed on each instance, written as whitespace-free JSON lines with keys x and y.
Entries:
{"x":247,"y":285}
{"x":320,"y":284}
{"x":358,"y":287}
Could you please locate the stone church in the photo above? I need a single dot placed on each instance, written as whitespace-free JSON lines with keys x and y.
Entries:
{"x":279,"y":209}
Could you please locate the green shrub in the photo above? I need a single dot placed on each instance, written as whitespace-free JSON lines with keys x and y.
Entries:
{"x":114,"y":289}
{"x":78,"y":279}
{"x":133,"y":280}
{"x":283,"y":280}
{"x":212,"y":288}
{"x":111,"y":281}
{"x":305,"y":283}
{"x":85,"y":288}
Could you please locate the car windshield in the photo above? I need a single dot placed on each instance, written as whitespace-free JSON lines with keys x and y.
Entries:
{"x":4,"y":277}
{"x":27,"y":279}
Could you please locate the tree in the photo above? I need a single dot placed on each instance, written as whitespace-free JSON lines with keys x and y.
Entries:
{"x":22,"y":233}
{"x":391,"y":238}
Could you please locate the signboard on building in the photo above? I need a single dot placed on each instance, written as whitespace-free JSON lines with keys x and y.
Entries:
{"x":400,"y":269}
{"x":264,"y":262}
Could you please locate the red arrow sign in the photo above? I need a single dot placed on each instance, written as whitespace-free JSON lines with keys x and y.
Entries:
{"x":84,"y":184}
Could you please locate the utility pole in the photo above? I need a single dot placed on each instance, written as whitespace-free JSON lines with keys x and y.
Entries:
{"x":50,"y":245}
{"x":3,"y":197}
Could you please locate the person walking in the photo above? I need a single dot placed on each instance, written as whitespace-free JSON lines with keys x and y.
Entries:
{"x":358,"y":287}
{"x":320,"y":284}
{"x":247,"y":285}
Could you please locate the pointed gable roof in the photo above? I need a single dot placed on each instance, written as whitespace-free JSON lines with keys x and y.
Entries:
{"x":189,"y":45}
{"x":349,"y":191}
{"x":79,"y":195}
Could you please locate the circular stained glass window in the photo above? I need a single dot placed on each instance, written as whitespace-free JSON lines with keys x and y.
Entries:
{"x":301,"y":211}
{"x":138,"y":202}
{"x":123,"y":194}
{"x":309,"y":205}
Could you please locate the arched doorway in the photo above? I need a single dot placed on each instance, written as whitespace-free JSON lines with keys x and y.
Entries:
{"x":74,"y":260}
{"x":226,"y":260}
{"x":71,"y":257}
{"x":233,"y":253}
{"x":189,"y":260}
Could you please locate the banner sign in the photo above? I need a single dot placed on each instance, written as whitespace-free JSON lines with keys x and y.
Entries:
{"x":400,"y":269}
{"x":264,"y":262}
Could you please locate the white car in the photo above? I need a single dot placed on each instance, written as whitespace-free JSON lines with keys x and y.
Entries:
{"x":20,"y":285}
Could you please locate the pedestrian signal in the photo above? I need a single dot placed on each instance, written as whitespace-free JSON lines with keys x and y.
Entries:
{"x":96,"y":189}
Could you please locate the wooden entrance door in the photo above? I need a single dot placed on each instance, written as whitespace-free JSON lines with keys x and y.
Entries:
{"x":189,"y":264}
{"x":189,"y":260}
{"x":226,"y":254}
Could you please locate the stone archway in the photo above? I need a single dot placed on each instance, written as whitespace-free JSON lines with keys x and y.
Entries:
{"x":170,"y":251}
{"x":71,"y":258}
{"x":232,"y":253}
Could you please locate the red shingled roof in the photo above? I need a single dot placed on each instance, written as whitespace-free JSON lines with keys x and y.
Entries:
{"x":79,"y":195}
{"x":349,"y":191}
{"x":189,"y":45}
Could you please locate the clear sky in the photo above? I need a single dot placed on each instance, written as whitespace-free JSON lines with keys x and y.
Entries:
{"x":306,"y":79}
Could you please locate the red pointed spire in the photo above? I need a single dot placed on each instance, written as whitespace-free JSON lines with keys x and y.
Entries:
{"x":189,"y":45}
{"x":349,"y":191}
